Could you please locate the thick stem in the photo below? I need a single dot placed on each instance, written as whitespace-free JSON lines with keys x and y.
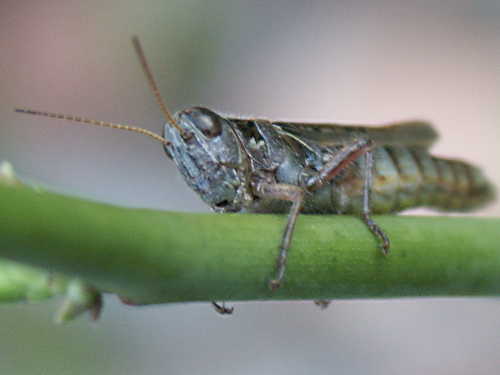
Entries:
{"x":153,"y":257}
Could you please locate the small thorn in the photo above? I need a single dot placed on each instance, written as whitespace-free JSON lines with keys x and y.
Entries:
{"x":80,"y":297}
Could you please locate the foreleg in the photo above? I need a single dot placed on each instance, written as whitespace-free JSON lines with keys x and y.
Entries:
{"x":295,"y":195}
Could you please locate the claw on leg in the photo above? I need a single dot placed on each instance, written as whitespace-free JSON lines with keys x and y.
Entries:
{"x":322,"y":303}
{"x":385,"y":243}
{"x":222,"y":309}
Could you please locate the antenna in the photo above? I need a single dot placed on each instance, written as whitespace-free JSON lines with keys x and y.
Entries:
{"x":94,"y":122}
{"x":154,"y":88}
{"x":152,"y":83}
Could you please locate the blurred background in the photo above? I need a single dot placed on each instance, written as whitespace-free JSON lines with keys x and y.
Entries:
{"x":363,"y":62}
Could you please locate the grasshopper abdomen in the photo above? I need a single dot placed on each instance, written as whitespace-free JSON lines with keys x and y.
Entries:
{"x":409,"y":177}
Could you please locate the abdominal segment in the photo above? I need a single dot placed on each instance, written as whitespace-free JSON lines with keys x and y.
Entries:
{"x":405,"y":177}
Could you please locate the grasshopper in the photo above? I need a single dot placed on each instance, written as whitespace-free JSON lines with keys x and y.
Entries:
{"x":262,"y":166}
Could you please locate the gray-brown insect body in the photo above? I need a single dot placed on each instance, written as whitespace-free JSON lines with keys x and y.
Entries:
{"x":254,"y":165}
{"x":223,"y":165}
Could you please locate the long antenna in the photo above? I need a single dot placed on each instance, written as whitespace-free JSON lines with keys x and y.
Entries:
{"x":94,"y":122}
{"x":152,"y":83}
{"x":154,"y":88}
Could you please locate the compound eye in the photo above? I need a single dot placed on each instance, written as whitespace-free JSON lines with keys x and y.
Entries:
{"x":209,"y":125}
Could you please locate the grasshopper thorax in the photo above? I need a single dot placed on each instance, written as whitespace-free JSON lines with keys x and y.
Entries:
{"x":209,"y":156}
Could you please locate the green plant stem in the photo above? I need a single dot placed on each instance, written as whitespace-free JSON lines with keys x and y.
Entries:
{"x":154,"y":257}
{"x":23,"y":283}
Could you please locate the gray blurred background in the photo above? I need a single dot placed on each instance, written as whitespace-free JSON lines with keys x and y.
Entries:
{"x":345,"y":61}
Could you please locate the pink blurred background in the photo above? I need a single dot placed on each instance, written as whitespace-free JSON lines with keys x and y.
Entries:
{"x":354,"y":62}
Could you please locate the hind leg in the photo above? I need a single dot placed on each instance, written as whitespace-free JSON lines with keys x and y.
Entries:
{"x":340,"y":160}
{"x":366,"y":215}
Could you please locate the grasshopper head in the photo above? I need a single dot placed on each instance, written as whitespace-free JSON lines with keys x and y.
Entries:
{"x":202,"y":144}
{"x":208,"y":154}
